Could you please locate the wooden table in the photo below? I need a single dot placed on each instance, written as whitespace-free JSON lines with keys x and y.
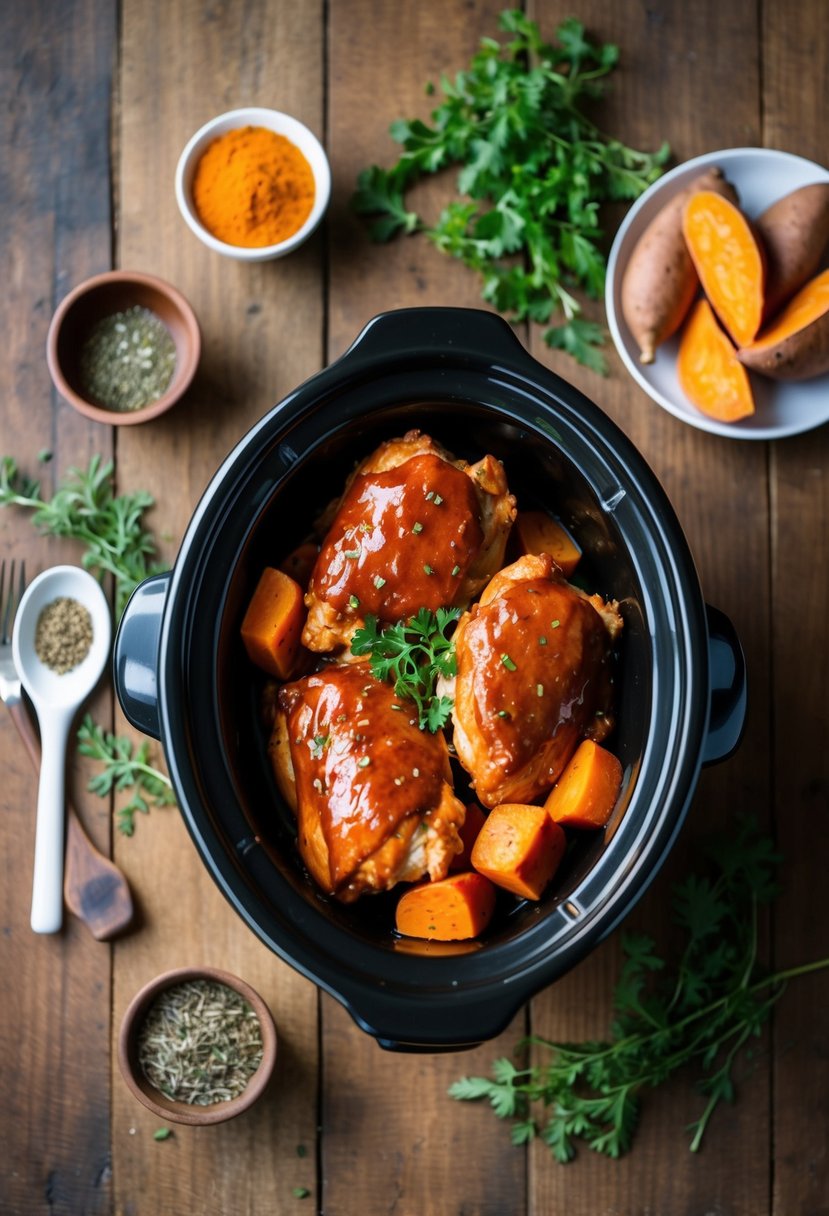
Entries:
{"x":98,"y":100}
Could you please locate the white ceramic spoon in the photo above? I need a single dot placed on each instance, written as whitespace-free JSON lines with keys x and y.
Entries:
{"x":56,"y":699}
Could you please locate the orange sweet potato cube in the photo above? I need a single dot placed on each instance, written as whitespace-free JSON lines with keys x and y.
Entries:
{"x":585,"y":794}
{"x":272,"y":625}
{"x":519,"y":848}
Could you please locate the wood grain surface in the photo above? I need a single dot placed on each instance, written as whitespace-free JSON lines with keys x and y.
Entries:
{"x":99,"y":100}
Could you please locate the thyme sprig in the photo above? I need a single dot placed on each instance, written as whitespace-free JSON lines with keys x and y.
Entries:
{"x":124,"y":769}
{"x":702,"y":1008}
{"x":84,"y":507}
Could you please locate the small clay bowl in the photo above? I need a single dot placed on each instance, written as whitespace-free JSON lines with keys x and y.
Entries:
{"x":99,"y":297}
{"x":152,"y":1098}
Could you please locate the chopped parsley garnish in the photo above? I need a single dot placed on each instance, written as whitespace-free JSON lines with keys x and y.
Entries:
{"x":455,"y":571}
{"x":508,"y":663}
{"x":412,"y":655}
{"x":318,"y":746}
{"x":379,"y":581}
{"x":353,"y":601}
{"x":417,"y":528}
{"x":351,"y":553}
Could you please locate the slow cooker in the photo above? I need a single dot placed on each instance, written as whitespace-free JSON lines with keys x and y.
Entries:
{"x":182,"y":675}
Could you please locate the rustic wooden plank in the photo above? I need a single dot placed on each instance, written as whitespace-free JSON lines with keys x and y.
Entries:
{"x":393,"y":1140}
{"x":54,"y":990}
{"x":262,"y":327}
{"x":795,"y":118}
{"x":670,"y":86}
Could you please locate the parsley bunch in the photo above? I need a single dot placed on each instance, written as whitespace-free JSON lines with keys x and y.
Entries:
{"x":533,"y":169}
{"x":85,"y":508}
{"x":703,"y":1008}
{"x":124,"y":770}
{"x":412,"y":655}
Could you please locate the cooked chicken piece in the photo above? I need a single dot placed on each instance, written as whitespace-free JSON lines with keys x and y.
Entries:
{"x":534,"y":678}
{"x":372,"y":792}
{"x":414,"y":529}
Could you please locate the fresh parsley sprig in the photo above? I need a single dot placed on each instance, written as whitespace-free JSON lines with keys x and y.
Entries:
{"x":84,"y":507}
{"x":412,"y":655}
{"x":124,"y":769}
{"x":534,"y":170}
{"x":703,"y":1008}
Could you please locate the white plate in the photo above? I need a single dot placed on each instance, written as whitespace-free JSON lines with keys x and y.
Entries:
{"x":760,"y":176}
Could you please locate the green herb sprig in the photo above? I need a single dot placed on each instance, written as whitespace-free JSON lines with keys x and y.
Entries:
{"x":703,"y":1009}
{"x":412,"y":655}
{"x":124,"y":769}
{"x":534,"y":170}
{"x":84,"y":507}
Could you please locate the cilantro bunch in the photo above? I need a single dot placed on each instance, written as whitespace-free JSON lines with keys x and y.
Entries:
{"x":702,"y":1008}
{"x":533,"y":169}
{"x":412,"y":655}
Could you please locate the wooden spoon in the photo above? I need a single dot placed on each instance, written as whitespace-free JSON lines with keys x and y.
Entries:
{"x":93,"y":886}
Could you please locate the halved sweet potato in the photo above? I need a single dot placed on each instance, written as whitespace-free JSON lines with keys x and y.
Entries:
{"x":708,"y":370}
{"x":794,"y":232}
{"x":796,"y":345}
{"x":660,"y":281}
{"x":729,"y":260}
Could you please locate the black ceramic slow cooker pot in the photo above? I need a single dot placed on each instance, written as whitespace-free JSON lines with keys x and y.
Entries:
{"x":183,"y":677}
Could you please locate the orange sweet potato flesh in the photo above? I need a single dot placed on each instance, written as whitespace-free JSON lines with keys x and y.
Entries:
{"x":451,"y":910}
{"x":729,"y":260}
{"x":519,"y":848}
{"x":538,"y":532}
{"x":585,"y":794}
{"x":272,"y":625}
{"x":796,"y":345}
{"x":659,"y":281}
{"x":794,"y":232}
{"x":472,"y":824}
{"x":708,"y":370}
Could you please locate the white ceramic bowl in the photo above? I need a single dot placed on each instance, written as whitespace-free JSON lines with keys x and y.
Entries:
{"x":760,"y":176}
{"x":272,"y":120}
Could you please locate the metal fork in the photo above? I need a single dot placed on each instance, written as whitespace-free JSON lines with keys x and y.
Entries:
{"x":94,"y":888}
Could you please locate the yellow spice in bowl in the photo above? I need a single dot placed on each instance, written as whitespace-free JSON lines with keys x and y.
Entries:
{"x":253,"y":188}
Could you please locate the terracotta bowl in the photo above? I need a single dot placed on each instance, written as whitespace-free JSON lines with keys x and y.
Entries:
{"x":152,"y":1098}
{"x":99,"y":297}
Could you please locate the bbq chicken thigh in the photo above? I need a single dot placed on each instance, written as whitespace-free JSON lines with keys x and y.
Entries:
{"x":415,"y":528}
{"x":372,"y":792}
{"x":533,"y":679}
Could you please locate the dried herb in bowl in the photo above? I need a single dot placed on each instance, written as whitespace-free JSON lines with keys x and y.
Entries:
{"x":127,"y":360}
{"x":200,"y":1043}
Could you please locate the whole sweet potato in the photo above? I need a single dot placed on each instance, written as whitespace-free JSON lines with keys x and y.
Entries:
{"x":794,"y":232}
{"x":796,"y":345}
{"x":660,"y":281}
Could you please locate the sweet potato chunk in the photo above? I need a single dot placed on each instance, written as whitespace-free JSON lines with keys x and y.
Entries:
{"x":519,"y":848}
{"x":585,"y":794}
{"x":453,"y":909}
{"x":272,"y":625}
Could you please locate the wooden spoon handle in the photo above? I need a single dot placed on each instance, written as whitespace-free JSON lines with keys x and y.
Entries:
{"x":93,"y":886}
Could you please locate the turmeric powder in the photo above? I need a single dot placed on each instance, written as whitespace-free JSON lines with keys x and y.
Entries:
{"x":253,"y":187}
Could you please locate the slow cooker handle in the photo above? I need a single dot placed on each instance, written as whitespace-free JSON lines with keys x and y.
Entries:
{"x":446,"y":332}
{"x":135,"y":658}
{"x":728,"y":688}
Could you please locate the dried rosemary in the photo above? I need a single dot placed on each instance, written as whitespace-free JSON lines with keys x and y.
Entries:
{"x":200,"y":1043}
{"x":127,"y":360}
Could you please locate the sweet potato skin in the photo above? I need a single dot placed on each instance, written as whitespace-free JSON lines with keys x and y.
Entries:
{"x":796,"y":345}
{"x":795,"y":232}
{"x":660,"y":281}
